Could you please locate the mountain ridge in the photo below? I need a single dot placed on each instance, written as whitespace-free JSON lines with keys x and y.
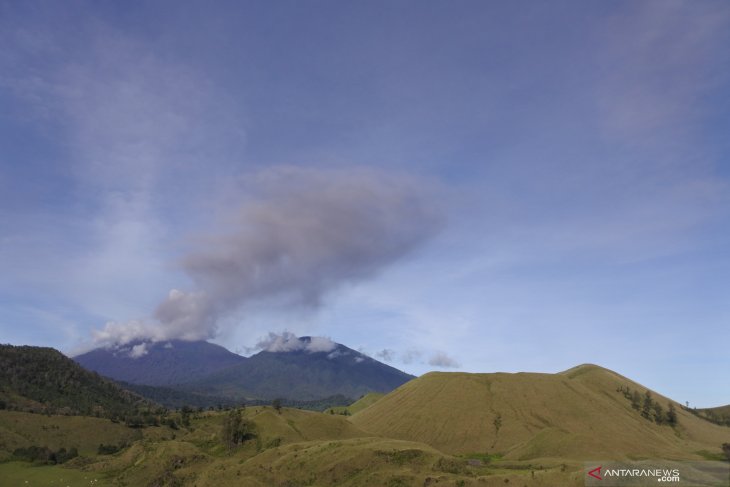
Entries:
{"x":164,"y":363}
{"x":304,"y":368}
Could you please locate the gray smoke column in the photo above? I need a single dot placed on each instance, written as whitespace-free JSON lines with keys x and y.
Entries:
{"x":297,"y":235}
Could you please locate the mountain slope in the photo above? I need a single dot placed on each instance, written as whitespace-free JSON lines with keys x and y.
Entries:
{"x":580,"y":414}
{"x":159,"y":363}
{"x":303,"y":375}
{"x":719,"y":415}
{"x":44,"y":380}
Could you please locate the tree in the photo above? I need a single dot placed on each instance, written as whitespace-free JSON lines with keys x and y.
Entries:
{"x":236,"y":429}
{"x":497,"y":423}
{"x":276,"y":404}
{"x":646,"y":408}
{"x":636,"y":400}
{"x":672,"y":415}
{"x":185,"y":416}
{"x":659,"y":417}
{"x":726,"y":450}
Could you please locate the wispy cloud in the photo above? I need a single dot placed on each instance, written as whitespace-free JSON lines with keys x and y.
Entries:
{"x":138,"y":130}
{"x":386,"y":355}
{"x":441,"y":359}
{"x":288,"y":342}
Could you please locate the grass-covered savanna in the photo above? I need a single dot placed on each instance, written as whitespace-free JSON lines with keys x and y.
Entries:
{"x":454,"y":429}
{"x":579,"y":414}
{"x":286,"y":448}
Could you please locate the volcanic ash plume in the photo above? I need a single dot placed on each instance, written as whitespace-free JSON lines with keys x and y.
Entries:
{"x":298,"y":234}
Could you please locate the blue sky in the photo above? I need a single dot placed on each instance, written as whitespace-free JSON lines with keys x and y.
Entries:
{"x":523,"y":185}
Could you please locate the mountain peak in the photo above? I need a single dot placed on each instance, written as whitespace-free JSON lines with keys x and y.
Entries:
{"x":159,"y":363}
{"x":289,"y":342}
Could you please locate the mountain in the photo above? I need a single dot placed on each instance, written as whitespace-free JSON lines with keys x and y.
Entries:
{"x":305,"y":369}
{"x":39,"y":379}
{"x":584,"y":413}
{"x":159,"y":363}
{"x":303,"y":373}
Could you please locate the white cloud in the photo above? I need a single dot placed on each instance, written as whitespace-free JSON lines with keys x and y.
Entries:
{"x":410,"y":356}
{"x":138,"y":351}
{"x":288,"y":342}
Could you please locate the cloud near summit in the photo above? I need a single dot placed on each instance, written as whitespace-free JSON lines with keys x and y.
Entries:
{"x":297,"y":235}
{"x":289,"y":342}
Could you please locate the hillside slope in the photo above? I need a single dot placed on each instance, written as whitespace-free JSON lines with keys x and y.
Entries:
{"x":159,"y":363}
{"x":365,"y":401}
{"x":579,"y":414}
{"x":40,"y":379}
{"x":21,"y":430}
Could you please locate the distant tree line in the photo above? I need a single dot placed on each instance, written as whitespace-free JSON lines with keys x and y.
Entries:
{"x":44,"y":455}
{"x":175,"y":399}
{"x":309,"y":405}
{"x":110,"y":449}
{"x":649,"y":408}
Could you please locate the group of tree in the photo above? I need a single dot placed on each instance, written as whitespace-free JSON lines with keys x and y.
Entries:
{"x":236,"y":429}
{"x":43,"y":380}
{"x":44,"y":455}
{"x":109,"y":449}
{"x":176,"y":398}
{"x":649,"y":408}
{"x":159,"y":417}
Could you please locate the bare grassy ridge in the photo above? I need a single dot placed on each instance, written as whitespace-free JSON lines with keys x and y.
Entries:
{"x":577,"y":414}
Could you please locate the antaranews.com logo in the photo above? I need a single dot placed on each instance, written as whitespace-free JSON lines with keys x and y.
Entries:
{"x":659,"y":475}
{"x":657,"y":472}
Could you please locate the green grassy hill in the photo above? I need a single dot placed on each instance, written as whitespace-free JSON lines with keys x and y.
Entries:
{"x":578,"y":414}
{"x":40,"y":379}
{"x":298,"y":448}
{"x":21,"y":430}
